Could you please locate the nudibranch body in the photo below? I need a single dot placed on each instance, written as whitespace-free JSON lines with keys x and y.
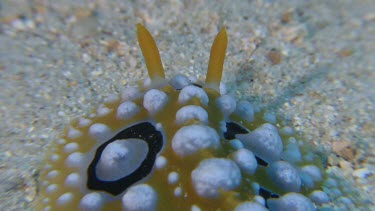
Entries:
{"x":178,"y":145}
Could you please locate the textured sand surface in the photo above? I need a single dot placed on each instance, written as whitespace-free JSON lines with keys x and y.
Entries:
{"x":314,"y":67}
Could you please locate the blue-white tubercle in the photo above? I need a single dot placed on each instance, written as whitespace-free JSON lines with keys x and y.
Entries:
{"x":177,"y":145}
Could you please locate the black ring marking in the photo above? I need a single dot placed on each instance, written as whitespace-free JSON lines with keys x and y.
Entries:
{"x":144,"y":131}
{"x":233,"y":129}
{"x":260,"y":161}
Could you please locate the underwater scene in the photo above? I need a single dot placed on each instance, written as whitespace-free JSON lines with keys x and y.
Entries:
{"x":173,"y":105}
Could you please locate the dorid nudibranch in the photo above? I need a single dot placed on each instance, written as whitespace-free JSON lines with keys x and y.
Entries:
{"x":178,"y":145}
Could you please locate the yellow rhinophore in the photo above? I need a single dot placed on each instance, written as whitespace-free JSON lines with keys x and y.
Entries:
{"x":215,"y":65}
{"x":150,"y":53}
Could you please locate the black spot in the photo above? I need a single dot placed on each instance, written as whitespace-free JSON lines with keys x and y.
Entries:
{"x":197,"y":85}
{"x":233,"y":129}
{"x":144,"y":131}
{"x":260,"y":161}
{"x":266,"y":194}
{"x":194,"y":84}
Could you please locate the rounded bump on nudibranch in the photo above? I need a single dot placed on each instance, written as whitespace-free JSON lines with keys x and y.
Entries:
{"x":91,"y":115}
{"x":177,"y":192}
{"x":284,"y":176}
{"x":245,"y":159}
{"x":73,"y":180}
{"x":313,"y":171}
{"x":45,"y":200}
{"x":83,"y":122}
{"x":154,"y":100}
{"x":99,"y":132}
{"x":52,"y":188}
{"x":73,"y":133}
{"x":291,"y":201}
{"x":265,"y":142}
{"x":173,"y":178}
{"x":111,"y":98}
{"x":189,"y":139}
{"x":160,"y":162}
{"x":65,"y":198}
{"x":250,"y":206}
{"x":190,"y":92}
{"x":102,"y":110}
{"x":71,"y":147}
{"x":159,"y":126}
{"x":291,"y":153}
{"x":54,"y":158}
{"x":91,"y":202}
{"x":74,"y":160}
{"x":52,"y":174}
{"x":60,"y":141}
{"x":287,"y":130}
{"x":269,"y":117}
{"x":44,"y":183}
{"x":130,"y":94}
{"x":191,"y":112}
{"x":319,"y":197}
{"x":213,"y":175}
{"x":236,"y":144}
{"x":226,"y":104}
{"x":178,"y":82}
{"x":47,"y":167}
{"x":147,"y":83}
{"x":127,"y":110}
{"x":260,"y":200}
{"x":195,"y":208}
{"x":140,"y":197}
{"x":245,"y":110}
{"x":223,"y":88}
